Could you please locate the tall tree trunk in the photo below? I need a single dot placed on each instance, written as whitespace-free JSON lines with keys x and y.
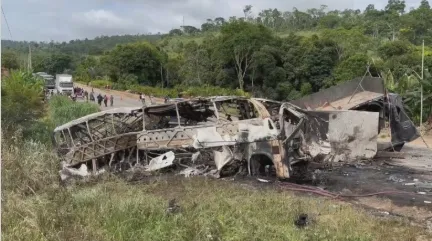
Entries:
{"x":161,"y":73}
{"x":240,"y":79}
{"x":167,"y":77}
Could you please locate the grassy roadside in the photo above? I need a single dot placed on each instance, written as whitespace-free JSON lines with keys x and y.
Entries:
{"x":210,"y":210}
{"x":36,"y":207}
{"x":186,"y":91}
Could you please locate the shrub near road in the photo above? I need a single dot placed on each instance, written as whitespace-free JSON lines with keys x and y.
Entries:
{"x":63,"y":110}
{"x":203,"y":91}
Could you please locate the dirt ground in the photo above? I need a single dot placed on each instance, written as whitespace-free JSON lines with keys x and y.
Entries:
{"x":409,"y":178}
{"x":384,"y":175}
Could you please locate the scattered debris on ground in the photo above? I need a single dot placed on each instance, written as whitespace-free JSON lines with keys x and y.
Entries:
{"x":302,"y":221}
{"x":173,"y":207}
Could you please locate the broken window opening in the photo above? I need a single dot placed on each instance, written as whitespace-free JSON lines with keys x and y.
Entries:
{"x":187,"y":113}
{"x":261,"y":165}
{"x":272,"y":107}
{"x":80,"y":134}
{"x":61,"y":143}
{"x":236,"y":110}
{"x":67,"y":137}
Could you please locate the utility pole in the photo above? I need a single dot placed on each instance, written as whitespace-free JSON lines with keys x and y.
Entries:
{"x":29,"y":61}
{"x":421,"y":87}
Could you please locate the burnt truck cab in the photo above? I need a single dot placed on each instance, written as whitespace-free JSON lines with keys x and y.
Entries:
{"x":365,"y":94}
{"x":322,"y":135}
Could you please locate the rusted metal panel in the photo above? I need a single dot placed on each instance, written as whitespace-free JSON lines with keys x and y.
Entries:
{"x":350,"y":102}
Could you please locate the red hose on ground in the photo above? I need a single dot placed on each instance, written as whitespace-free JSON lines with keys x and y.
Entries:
{"x":305,"y":188}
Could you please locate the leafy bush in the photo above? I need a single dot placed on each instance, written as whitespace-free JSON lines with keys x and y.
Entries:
{"x":128,"y":82}
{"x":22,"y":100}
{"x":63,"y":110}
{"x":125,"y":80}
{"x":412,"y":101}
{"x":100,"y":83}
{"x":188,"y":91}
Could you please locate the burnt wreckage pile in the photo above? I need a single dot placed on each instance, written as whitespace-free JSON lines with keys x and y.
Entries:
{"x":221,"y":136}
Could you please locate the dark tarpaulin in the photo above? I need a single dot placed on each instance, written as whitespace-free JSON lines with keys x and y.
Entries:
{"x":402,"y":128}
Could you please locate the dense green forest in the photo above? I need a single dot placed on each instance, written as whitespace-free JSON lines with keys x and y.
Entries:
{"x":276,"y":54}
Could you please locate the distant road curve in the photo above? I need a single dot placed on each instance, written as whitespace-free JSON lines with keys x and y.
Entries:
{"x":121,"y":98}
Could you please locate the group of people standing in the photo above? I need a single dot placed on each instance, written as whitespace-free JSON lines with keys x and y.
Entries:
{"x":105,"y":98}
{"x":99,"y":98}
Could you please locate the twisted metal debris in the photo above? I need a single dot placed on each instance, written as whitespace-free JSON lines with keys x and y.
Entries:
{"x":218,"y":136}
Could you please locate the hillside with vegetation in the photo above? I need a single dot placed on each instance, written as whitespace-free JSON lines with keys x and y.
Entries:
{"x":275,"y":54}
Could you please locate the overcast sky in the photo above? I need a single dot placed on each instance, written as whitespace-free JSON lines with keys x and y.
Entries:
{"x":63,"y":20}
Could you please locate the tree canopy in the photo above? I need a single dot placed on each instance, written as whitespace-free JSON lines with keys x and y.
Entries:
{"x":272,"y":53}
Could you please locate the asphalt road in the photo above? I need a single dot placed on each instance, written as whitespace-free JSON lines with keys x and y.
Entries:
{"x":121,"y":99}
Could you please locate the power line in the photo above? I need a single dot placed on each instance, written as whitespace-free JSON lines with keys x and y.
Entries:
{"x":7,"y":24}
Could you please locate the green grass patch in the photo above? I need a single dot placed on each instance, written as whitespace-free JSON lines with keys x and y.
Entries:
{"x":210,"y":210}
{"x":62,"y":110}
{"x":100,"y":83}
{"x":186,"y":91}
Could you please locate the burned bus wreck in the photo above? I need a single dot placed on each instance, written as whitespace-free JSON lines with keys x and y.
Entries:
{"x":216,"y":136}
{"x":210,"y":133}
{"x":223,"y":135}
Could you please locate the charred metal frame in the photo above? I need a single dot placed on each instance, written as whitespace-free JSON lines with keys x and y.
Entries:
{"x":97,"y":135}
{"x":94,"y":140}
{"x":124,"y":137}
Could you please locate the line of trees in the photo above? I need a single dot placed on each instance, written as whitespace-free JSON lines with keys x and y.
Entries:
{"x":269,"y":55}
{"x":392,"y":22}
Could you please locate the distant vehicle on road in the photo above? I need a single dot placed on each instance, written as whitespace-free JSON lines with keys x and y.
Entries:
{"x":49,"y":80}
{"x":64,"y":84}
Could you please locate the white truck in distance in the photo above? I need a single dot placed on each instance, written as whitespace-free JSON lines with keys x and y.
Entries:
{"x":64,"y":84}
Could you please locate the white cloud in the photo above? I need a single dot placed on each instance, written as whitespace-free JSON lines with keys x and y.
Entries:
{"x":101,"y":22}
{"x":101,"y":18}
{"x":62,"y":20}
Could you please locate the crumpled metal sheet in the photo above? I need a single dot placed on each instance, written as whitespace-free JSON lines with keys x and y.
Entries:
{"x":353,"y":135}
{"x":221,"y":158}
{"x":248,"y":131}
{"x":342,"y":135}
{"x":160,"y":162}
{"x":70,"y":172}
{"x":192,"y":171}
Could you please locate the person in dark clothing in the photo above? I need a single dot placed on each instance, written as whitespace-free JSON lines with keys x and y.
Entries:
{"x":86,"y":95}
{"x":105,"y":99}
{"x":99,"y":99}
